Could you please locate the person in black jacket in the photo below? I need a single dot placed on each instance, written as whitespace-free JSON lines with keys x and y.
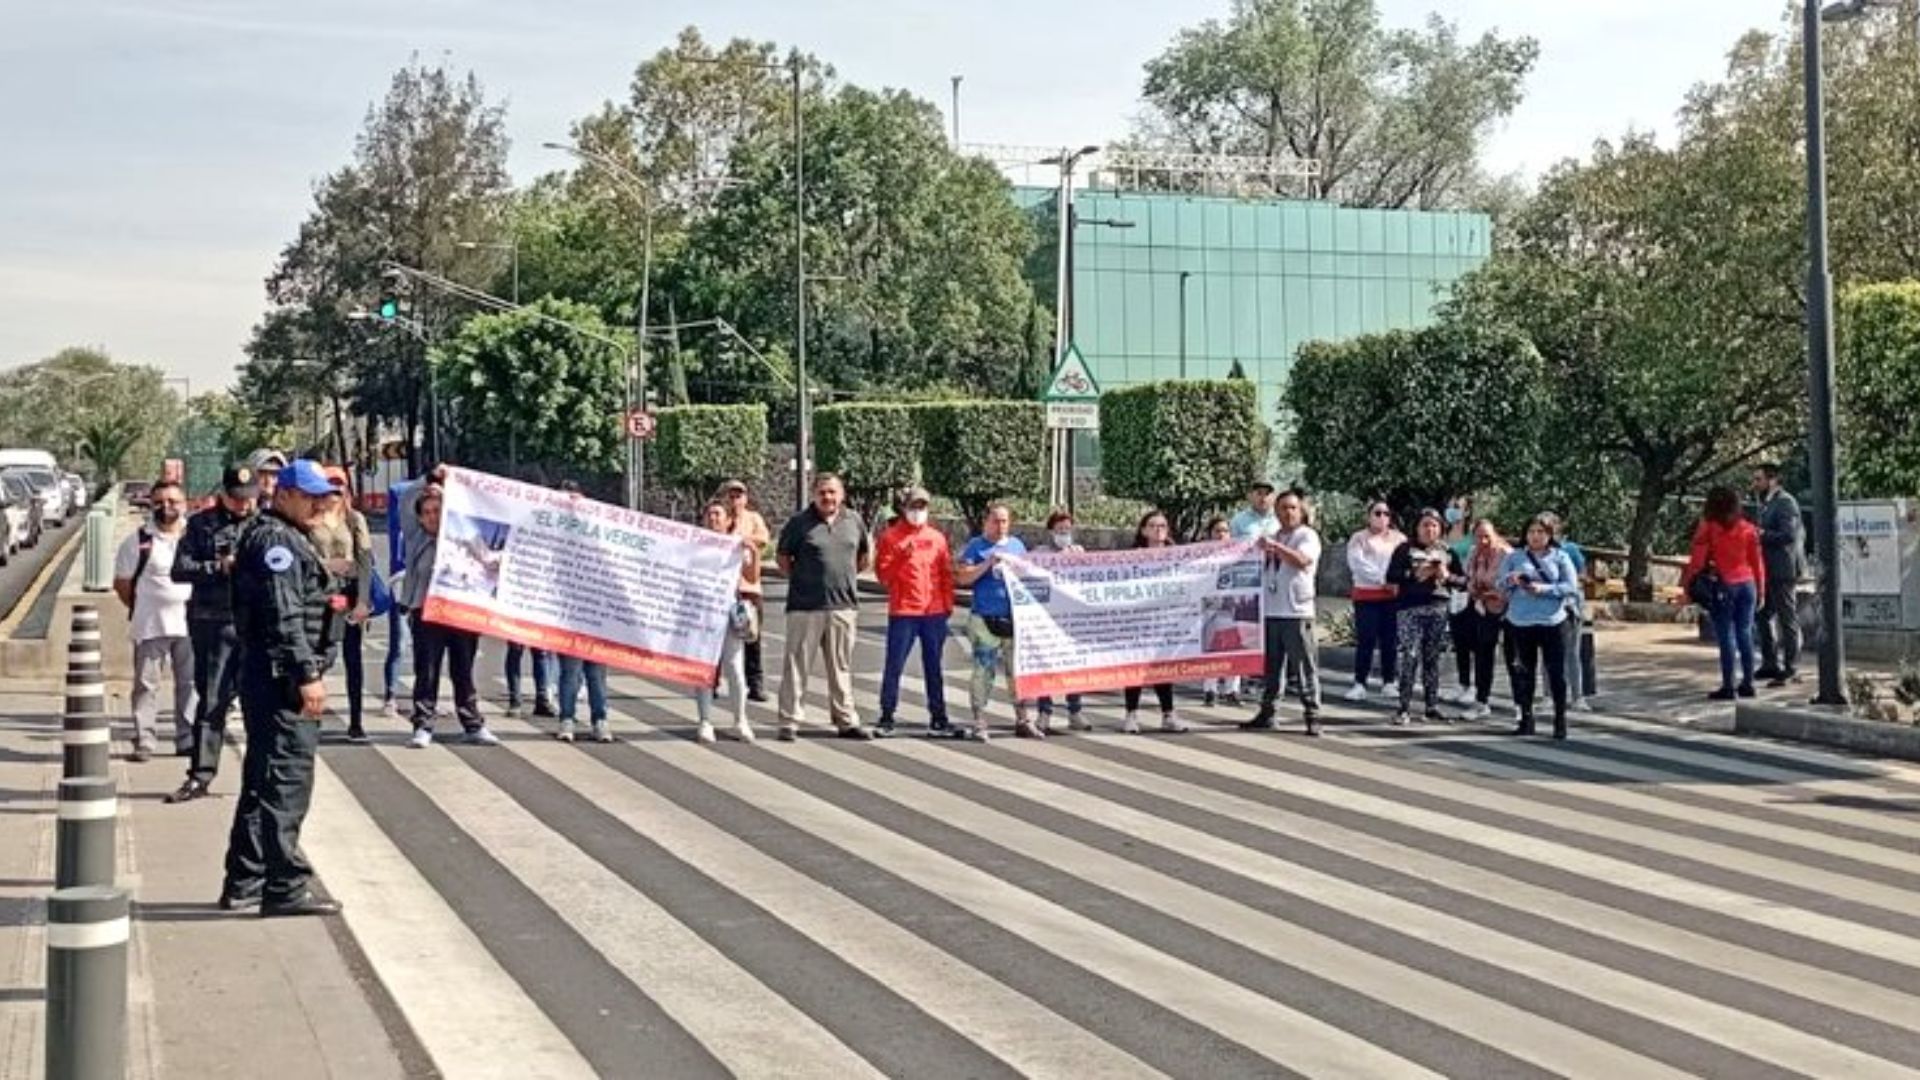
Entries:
{"x":205,"y":561}
{"x":288,"y":610}
{"x":1426,"y":572}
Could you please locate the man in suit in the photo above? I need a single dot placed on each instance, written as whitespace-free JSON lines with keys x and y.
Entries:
{"x":1783,"y":543}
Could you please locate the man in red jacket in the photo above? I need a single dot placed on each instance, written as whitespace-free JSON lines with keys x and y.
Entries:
{"x":915,"y":565}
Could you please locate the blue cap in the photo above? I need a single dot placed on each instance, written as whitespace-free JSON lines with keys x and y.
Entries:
{"x":306,"y":477}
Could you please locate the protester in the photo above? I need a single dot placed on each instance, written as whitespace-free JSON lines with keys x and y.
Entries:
{"x":822,"y":551}
{"x":990,"y":626}
{"x":1152,"y":532}
{"x":204,"y":562}
{"x":266,"y":465}
{"x":1725,"y":575}
{"x":914,"y":564}
{"x":1538,"y":581}
{"x":1374,"y":608}
{"x":1486,"y":612}
{"x":437,"y":647}
{"x":285,"y":613}
{"x":339,"y":534}
{"x":742,"y":626}
{"x":1257,"y":520}
{"x":399,"y":636}
{"x":575,"y":673}
{"x":1424,"y":572}
{"x":1580,"y":626}
{"x":1460,"y":621}
{"x":545,"y":672}
{"x":1777,"y":628}
{"x":748,"y":524}
{"x":1227,"y":687}
{"x":157,"y":608}
{"x":1060,"y":539}
{"x":1293,"y":560}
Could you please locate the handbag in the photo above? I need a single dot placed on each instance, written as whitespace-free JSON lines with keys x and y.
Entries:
{"x":744,"y":621}
{"x":1706,"y":589}
{"x":379,"y":597}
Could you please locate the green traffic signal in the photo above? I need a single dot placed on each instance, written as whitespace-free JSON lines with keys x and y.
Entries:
{"x":389,"y":309}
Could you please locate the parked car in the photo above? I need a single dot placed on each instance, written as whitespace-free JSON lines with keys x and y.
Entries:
{"x":51,"y":492}
{"x":76,"y":490}
{"x":137,"y":494}
{"x":21,"y":509}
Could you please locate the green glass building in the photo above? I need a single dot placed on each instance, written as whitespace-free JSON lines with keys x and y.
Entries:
{"x":1260,"y":279}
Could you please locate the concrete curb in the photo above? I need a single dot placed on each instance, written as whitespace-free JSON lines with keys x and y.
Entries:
{"x":1825,"y":728}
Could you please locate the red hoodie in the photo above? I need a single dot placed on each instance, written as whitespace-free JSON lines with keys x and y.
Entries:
{"x":916,"y":567}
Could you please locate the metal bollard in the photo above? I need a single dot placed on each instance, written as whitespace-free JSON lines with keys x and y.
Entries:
{"x":87,"y":931}
{"x":86,"y":734}
{"x":83,"y":845}
{"x":98,"y":551}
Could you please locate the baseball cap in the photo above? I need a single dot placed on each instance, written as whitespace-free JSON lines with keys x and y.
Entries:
{"x":239,"y":482}
{"x":916,"y":495}
{"x":307,"y":477}
{"x":732,"y":486}
{"x":1261,"y":485}
{"x":336,"y":475}
{"x":267,"y":461}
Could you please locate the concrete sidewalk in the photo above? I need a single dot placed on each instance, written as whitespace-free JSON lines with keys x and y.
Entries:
{"x":212,"y":994}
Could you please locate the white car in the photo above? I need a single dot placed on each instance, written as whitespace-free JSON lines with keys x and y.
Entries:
{"x":16,"y":508}
{"x":76,"y":490}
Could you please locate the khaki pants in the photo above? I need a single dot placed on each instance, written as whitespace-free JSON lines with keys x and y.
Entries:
{"x":149,"y":658}
{"x":830,"y":634}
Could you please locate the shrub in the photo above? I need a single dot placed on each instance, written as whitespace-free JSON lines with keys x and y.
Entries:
{"x":1188,"y":448}
{"x":874,"y":447}
{"x":696,"y":447}
{"x":974,"y":452}
{"x":1879,"y":388}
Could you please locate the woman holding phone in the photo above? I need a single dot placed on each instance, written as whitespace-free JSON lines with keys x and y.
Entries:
{"x":1424,"y":572}
{"x":1538,"y":580}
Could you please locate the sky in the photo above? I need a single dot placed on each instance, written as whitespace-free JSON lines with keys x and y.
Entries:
{"x":160,"y":153}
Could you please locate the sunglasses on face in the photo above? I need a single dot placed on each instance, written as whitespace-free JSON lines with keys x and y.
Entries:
{"x":1382,"y":513}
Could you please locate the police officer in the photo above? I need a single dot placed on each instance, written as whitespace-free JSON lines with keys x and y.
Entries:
{"x":287,"y":610}
{"x":205,"y":561}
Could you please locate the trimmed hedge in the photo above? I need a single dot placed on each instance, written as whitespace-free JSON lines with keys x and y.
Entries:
{"x":875,"y":447}
{"x":974,"y":452}
{"x":1190,"y":448}
{"x":696,"y":447}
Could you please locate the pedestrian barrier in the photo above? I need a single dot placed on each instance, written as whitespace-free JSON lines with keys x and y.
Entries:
{"x":86,"y":731}
{"x":98,"y":551}
{"x":87,"y":932}
{"x":83,"y":845}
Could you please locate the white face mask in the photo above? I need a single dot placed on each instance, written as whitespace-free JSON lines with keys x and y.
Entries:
{"x":916,"y":517}
{"x":1063,"y":539}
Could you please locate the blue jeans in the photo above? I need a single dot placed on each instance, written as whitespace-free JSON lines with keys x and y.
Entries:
{"x":902,"y":631}
{"x":543,"y":672}
{"x":572,"y":671}
{"x":1376,"y":627}
{"x":1045,"y":705}
{"x":398,"y":636}
{"x":1733,"y":629}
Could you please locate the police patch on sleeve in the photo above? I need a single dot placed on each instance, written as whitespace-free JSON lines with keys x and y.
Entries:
{"x":278,"y":559}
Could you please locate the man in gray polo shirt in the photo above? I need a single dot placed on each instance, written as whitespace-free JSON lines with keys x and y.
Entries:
{"x":822,"y":551}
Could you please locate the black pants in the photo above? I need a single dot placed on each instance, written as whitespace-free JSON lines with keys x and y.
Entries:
{"x":1463,"y":628}
{"x":1533,"y":643}
{"x":434,"y":647}
{"x":1779,"y":650}
{"x":352,"y":659}
{"x":216,"y":678}
{"x":276,"y":787}
{"x":1491,"y":636}
{"x":1163,"y":691}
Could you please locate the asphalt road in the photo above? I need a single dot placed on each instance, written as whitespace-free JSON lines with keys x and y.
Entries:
{"x":1639,"y":901}
{"x":24,"y":568}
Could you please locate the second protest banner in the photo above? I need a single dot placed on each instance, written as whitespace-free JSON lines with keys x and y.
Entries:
{"x":1101,"y":620}
{"x":562,"y":572}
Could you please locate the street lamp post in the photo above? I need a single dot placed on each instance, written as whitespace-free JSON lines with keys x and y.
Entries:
{"x":511,"y":247}
{"x":1068,"y":160}
{"x":419,"y":332}
{"x":1185,"y":276}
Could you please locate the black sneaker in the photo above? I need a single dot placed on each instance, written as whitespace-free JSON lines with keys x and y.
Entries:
{"x":1313,"y":726}
{"x":757,"y":694}
{"x":357,"y":735}
{"x":305,"y":904}
{"x":1767,"y":674}
{"x":189,"y":791}
{"x":1262,"y":721}
{"x":1232,"y":701}
{"x":1745,"y":690}
{"x":1784,"y":678}
{"x":939,"y":727}
{"x":1725,"y":693}
{"x":883,"y":729}
{"x":238,"y":901}
{"x":857,"y":733}
{"x":543,"y":708}
{"x":1207,"y":699}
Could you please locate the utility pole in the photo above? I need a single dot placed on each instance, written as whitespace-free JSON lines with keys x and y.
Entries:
{"x":803,"y":438}
{"x":1185,"y":275}
{"x":1826,"y":485}
{"x":956,"y":111}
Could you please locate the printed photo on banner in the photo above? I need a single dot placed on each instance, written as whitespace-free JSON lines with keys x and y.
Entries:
{"x":565,"y":573}
{"x":1099,"y":620}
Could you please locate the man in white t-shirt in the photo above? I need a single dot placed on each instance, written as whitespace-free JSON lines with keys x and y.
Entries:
{"x":157,"y":608}
{"x":1293,"y":558}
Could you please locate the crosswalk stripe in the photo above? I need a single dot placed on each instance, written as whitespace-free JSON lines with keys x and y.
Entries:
{"x":1281,"y":1034}
{"x":1491,"y":1021}
{"x":1011,"y":1025}
{"x":1469,"y":943}
{"x":751,"y":1030}
{"x":1510,"y":904}
{"x":423,"y":950}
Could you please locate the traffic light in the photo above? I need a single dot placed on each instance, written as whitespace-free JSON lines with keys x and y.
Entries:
{"x":389,"y":308}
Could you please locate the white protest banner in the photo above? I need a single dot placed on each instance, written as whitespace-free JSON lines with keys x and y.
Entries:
{"x":563,"y":572}
{"x":1100,"y":620}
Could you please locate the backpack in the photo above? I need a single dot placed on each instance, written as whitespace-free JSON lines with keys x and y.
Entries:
{"x":145,"y":536}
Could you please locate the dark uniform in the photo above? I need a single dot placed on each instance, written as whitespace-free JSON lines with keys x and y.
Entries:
{"x":286,"y":610}
{"x":211,"y":535}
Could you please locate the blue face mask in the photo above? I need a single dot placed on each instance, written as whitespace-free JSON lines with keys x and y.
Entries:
{"x":1454,"y":515}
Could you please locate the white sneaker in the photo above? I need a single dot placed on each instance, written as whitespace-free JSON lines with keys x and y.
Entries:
{"x":480,"y":736}
{"x":1583,"y":704}
{"x":1401,"y":719}
{"x":1078,"y":722}
{"x":600,"y":732}
{"x":421,"y":739}
{"x":1172,"y":722}
{"x":1132,"y":726}
{"x":565,"y":734}
{"x":742,"y":732}
{"x":1378,"y":686}
{"x":1357,"y":693}
{"x":1517,"y":713}
{"x":705,"y":734}
{"x":1477,"y":711}
{"x":1459,"y":695}
{"x":390,"y":710}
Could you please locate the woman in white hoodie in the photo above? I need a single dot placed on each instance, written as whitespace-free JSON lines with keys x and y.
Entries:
{"x":1374,"y":606}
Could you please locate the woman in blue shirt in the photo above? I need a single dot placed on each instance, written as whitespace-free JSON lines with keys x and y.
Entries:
{"x":1541,"y":586}
{"x":990,"y":626}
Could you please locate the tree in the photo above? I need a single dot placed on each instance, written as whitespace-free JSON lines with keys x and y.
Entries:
{"x":1395,"y":118}
{"x":95,"y":415}
{"x":525,"y":387}
{"x":874,"y":447}
{"x":1879,"y":389}
{"x":1188,"y":448}
{"x":1416,"y":417}
{"x":974,"y":452}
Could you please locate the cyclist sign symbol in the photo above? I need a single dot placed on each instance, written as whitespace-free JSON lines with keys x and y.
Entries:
{"x":1071,"y":380}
